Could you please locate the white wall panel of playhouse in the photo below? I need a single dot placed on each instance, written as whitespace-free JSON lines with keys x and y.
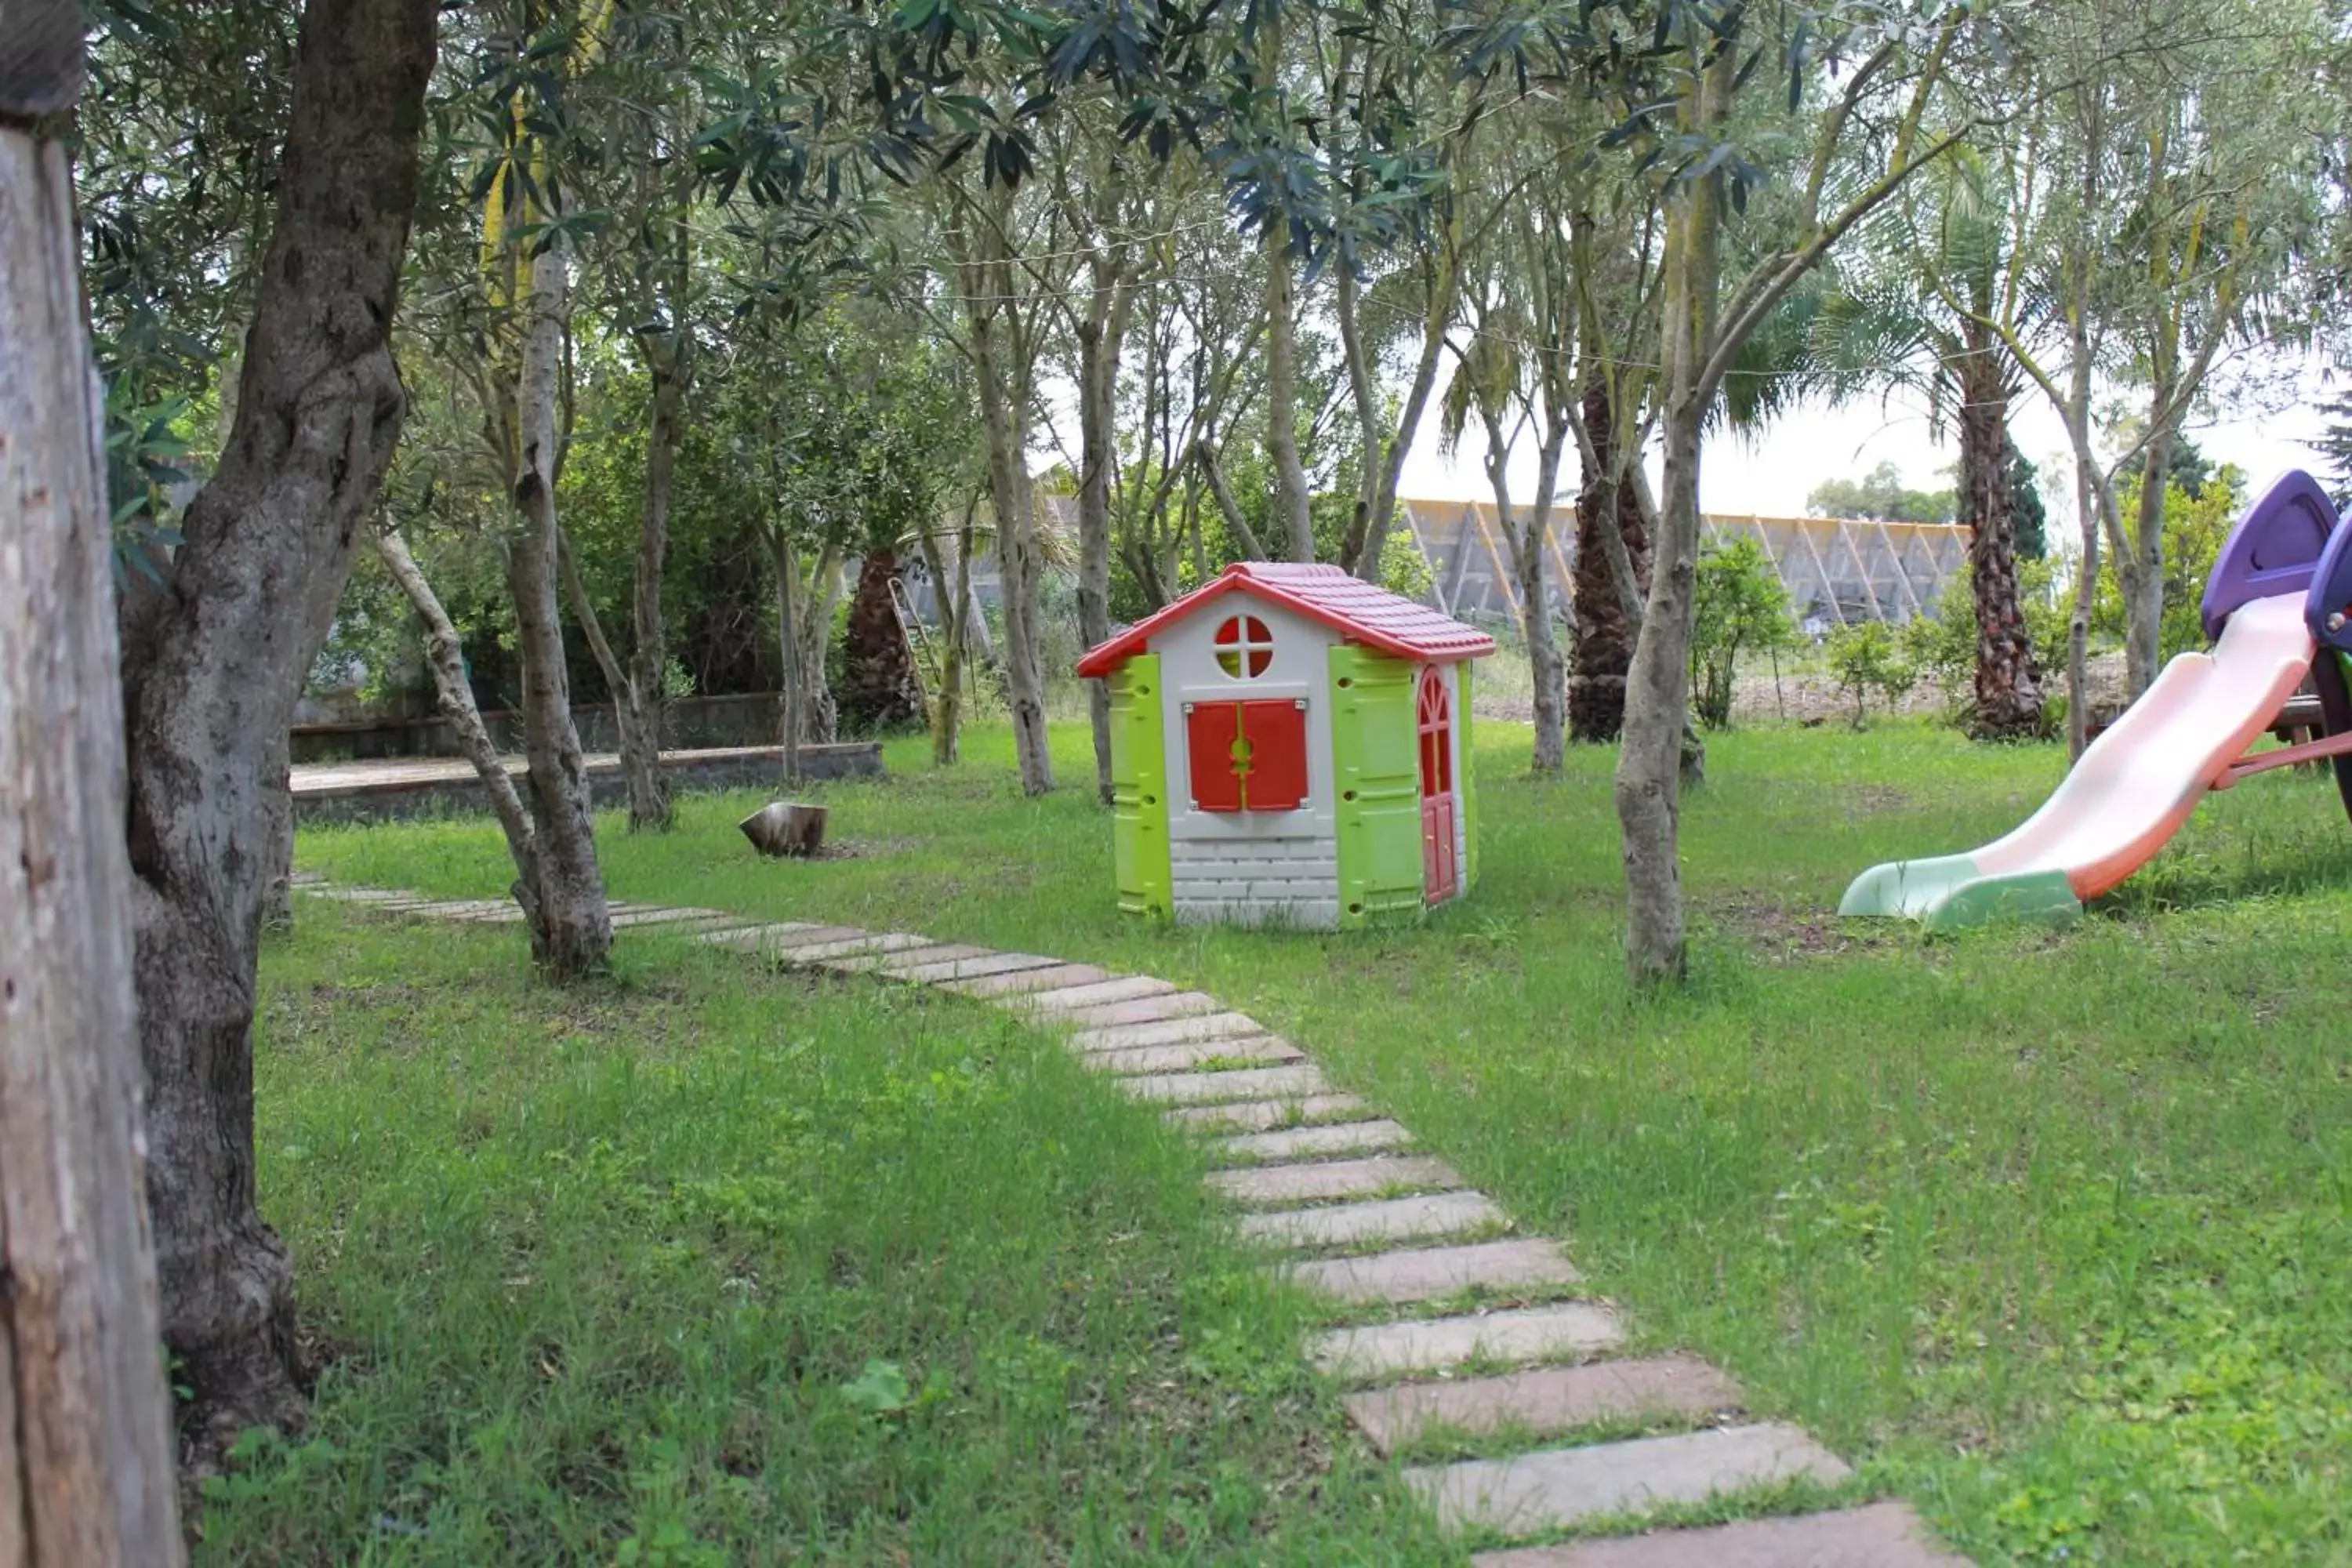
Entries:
{"x":1251,"y":866}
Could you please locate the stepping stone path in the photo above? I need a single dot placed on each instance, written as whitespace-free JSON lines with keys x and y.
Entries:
{"x":1450,"y":1332}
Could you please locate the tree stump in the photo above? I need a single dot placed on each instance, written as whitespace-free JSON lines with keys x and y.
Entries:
{"x":786,"y":828}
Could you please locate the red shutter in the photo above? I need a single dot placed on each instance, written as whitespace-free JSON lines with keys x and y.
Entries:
{"x":1210,"y":732}
{"x":1275,"y":730}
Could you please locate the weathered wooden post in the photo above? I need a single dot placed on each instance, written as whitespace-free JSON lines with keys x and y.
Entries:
{"x":85,"y":1455}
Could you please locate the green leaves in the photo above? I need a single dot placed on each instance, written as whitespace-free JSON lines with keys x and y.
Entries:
{"x":882,"y":1389}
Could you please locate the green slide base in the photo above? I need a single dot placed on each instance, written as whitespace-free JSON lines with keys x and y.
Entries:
{"x":1950,"y":892}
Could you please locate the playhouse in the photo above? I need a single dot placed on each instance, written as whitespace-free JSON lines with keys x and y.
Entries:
{"x":1289,"y":744}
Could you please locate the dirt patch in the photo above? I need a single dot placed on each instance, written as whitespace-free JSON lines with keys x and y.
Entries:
{"x":1779,"y":935}
{"x":1875,"y":800}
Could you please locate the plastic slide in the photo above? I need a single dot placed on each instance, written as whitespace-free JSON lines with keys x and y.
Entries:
{"x":2142,"y":778}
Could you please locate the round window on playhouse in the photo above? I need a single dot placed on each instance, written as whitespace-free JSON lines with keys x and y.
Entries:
{"x":1245,"y":648}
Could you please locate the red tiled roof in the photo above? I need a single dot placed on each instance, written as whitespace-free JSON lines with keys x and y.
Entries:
{"x":1357,"y":610}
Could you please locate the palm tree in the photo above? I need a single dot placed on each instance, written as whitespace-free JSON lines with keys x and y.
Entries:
{"x":1919,"y":309}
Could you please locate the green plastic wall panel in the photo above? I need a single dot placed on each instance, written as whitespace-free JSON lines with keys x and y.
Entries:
{"x":1465,"y":780}
{"x":1375,"y":743}
{"x":1138,"y":790}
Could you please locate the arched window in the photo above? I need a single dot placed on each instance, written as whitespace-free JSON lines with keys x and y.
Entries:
{"x":1245,"y":648}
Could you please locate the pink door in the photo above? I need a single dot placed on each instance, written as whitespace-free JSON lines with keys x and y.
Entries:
{"x":1436,"y":713}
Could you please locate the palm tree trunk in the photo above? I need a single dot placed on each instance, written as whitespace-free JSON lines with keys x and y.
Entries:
{"x":1604,"y":632}
{"x":2008,"y":691}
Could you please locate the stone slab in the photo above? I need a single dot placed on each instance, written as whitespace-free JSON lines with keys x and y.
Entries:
{"x":1561,"y":1487}
{"x":795,"y":934}
{"x":1118,"y":988}
{"x":1883,"y":1535}
{"x":1013,"y":985}
{"x":1177,"y":1058}
{"x":506,"y":913}
{"x":662,"y":917}
{"x":1305,"y":1142}
{"x":352,"y":895}
{"x":1210,"y":1088}
{"x":1548,"y":1399}
{"x":1252,"y":1116}
{"x":892,"y":964}
{"x":1169,"y":1032}
{"x":1435,"y":1344}
{"x":926,"y":973}
{"x":1387,"y":1219}
{"x":1142,"y":1010}
{"x":1267,"y":1184}
{"x":864,"y":942}
{"x":1423,"y":1274}
{"x":460,"y":909}
{"x":772,"y":938}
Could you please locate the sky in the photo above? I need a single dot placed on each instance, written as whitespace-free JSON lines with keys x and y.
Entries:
{"x":2266,"y":417}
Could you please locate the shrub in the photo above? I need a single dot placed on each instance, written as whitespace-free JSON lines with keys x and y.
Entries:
{"x":1867,"y":658}
{"x":1942,"y":644}
{"x":2194,"y":529}
{"x":1740,"y":607}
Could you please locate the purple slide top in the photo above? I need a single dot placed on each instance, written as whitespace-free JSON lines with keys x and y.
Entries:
{"x":2274,"y":550}
{"x":2327,"y":609}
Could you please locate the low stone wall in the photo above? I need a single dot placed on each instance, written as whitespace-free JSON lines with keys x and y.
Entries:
{"x":389,"y":791}
{"x":748,"y":719}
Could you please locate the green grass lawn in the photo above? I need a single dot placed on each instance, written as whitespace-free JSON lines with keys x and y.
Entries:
{"x":2053,"y":1231}
{"x":709,"y":1267}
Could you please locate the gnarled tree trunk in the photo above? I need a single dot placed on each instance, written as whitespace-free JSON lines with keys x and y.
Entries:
{"x":2008,"y":691}
{"x":85,"y":1447}
{"x":571,"y":932}
{"x":214,"y":662}
{"x":1604,"y":632}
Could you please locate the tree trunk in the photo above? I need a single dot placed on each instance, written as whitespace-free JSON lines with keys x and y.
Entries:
{"x":1603,"y":630}
{"x":2144,"y":583}
{"x":445,"y":655}
{"x":788,"y":676}
{"x":1657,"y":696}
{"x":643,"y":704}
{"x":1204,"y":459}
{"x":1526,"y":539}
{"x":572,"y":934}
{"x":1000,"y":379}
{"x":85,"y":1438}
{"x":2078,"y":624}
{"x":820,"y":716}
{"x":953,"y":589}
{"x":880,"y":688}
{"x":1100,"y":338}
{"x":1291,"y":498}
{"x":213,"y":663}
{"x":2008,"y":691}
{"x":1368,"y":539}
